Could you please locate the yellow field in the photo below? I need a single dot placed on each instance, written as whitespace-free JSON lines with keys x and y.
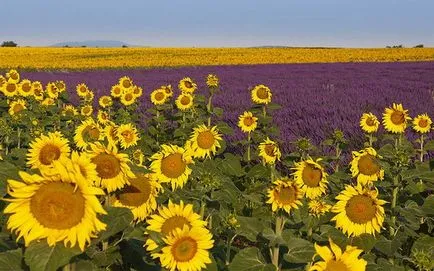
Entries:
{"x":94,"y":58}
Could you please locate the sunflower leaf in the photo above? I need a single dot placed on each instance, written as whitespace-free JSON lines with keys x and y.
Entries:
{"x":11,"y":260}
{"x":117,"y":220}
{"x":41,"y":257}
{"x":250,"y":259}
{"x":299,"y":251}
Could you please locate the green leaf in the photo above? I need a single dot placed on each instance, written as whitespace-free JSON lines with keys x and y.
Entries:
{"x":40,"y":257}
{"x":250,"y":227}
{"x":11,"y":260}
{"x":117,"y":220}
{"x":387,"y":247}
{"x":224,"y":128}
{"x":250,"y":259}
{"x":86,"y":265}
{"x":365,"y":242}
{"x":387,"y":151}
{"x":299,"y":251}
{"x":232,"y":165}
{"x":259,"y":171}
{"x":428,"y":205}
{"x":425,"y":243}
{"x":8,"y":171}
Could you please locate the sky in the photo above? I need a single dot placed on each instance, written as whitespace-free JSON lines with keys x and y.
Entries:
{"x":220,"y":23}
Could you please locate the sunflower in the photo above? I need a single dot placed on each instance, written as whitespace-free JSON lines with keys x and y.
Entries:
{"x":52,"y":91}
{"x":139,"y":196}
{"x":13,"y":76}
{"x":422,"y":123}
{"x":127,"y":135}
{"x":47,"y":101}
{"x":10,"y":89}
{"x":89,"y":96}
{"x":184,"y":101}
{"x":103,"y":117}
{"x":395,"y":119}
{"x":116,"y":91}
{"x":82,"y":90}
{"x":128,"y":98}
{"x":85,"y":166}
{"x":358,"y":211}
{"x":38,"y":91}
{"x":105,"y":101}
{"x":137,"y":91}
{"x":369,"y":123}
{"x":111,"y":134}
{"x":86,"y":133}
{"x":311,"y":177}
{"x":138,"y":157}
{"x":212,"y":81}
{"x":86,"y":110}
{"x":269,"y":151}
{"x":2,"y":81}
{"x":69,"y":111}
{"x":247,"y":122}
{"x":285,"y":194}
{"x":112,"y":167}
{"x":168,"y":90}
{"x":365,"y":166}
{"x":187,"y":85}
{"x":25,"y":88}
{"x":187,"y":249}
{"x":58,"y":207}
{"x":61,"y":86}
{"x":261,"y":94}
{"x":126,"y":83}
{"x":158,"y":96}
{"x":318,"y":207}
{"x":205,"y":141}
{"x":46,"y":149}
{"x":171,"y":165}
{"x":334,"y":259}
{"x":17,"y":106}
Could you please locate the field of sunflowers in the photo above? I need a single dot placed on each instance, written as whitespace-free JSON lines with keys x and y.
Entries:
{"x":123,"y":178}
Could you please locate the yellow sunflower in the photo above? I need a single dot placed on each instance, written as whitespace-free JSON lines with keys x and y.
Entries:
{"x":318,"y":207}
{"x":110,"y":133}
{"x":127,"y":135}
{"x":86,"y":110}
{"x":171,"y":165}
{"x":112,"y":167}
{"x":358,"y":211}
{"x":184,"y":101}
{"x":105,"y":101}
{"x":247,"y":122}
{"x":168,"y":90}
{"x":116,"y":91}
{"x":311,"y":177}
{"x":13,"y":76}
{"x":212,"y":81}
{"x":205,"y":141}
{"x":285,"y":194}
{"x":52,"y":91}
{"x":126,"y":83}
{"x":395,"y":119}
{"x":86,"y":133}
{"x":369,"y":123}
{"x":187,"y":249}
{"x":138,"y":157}
{"x":335,"y":260}
{"x":85,"y":167}
{"x":103,"y":117}
{"x":2,"y":81}
{"x":137,"y":91}
{"x":38,"y":91}
{"x":366,"y":167}
{"x":422,"y":123}
{"x":82,"y":90}
{"x":128,"y":98}
{"x":61,"y":86}
{"x":58,"y":207}
{"x":269,"y":151}
{"x":48,"y":101}
{"x":69,"y":111}
{"x":89,"y":96}
{"x":46,"y":149}
{"x":17,"y":106}
{"x":187,"y":85}
{"x":25,"y":88}
{"x":158,"y":97}
{"x":139,"y":196}
{"x":10,"y":89}
{"x":261,"y":94}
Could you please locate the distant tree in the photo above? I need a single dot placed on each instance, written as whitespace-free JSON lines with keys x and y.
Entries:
{"x":419,"y":46}
{"x":83,"y":46}
{"x":124,"y":46}
{"x":388,"y":46}
{"x":66,"y":46}
{"x":9,"y":44}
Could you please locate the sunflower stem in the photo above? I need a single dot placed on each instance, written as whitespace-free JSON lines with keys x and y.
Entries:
{"x":202,"y":209}
{"x":264,"y":110}
{"x":19,"y":137}
{"x":248,"y":146}
{"x":421,"y":148}
{"x":209,"y":107}
{"x":6,"y":145}
{"x":228,"y":249}
{"x":393,"y":205}
{"x":280,"y":223}
{"x":371,"y":139}
{"x":184,"y":119}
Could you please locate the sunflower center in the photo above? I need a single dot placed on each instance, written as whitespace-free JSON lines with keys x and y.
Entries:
{"x":248,"y":121}
{"x":173,"y":166}
{"x":128,"y":136}
{"x":370,"y":121}
{"x":26,"y":87}
{"x":173,"y":223}
{"x":48,"y":154}
{"x":423,"y":123}
{"x":126,"y":83}
{"x":159,"y":96}
{"x":334,"y":265}
{"x":17,"y":108}
{"x":129,"y":97}
{"x":185,"y":100}
{"x":262,"y":93}
{"x":117,"y":90}
{"x":106,"y":100}
{"x":136,"y":91}
{"x":14,"y":76}
{"x":286,"y":195}
{"x":205,"y":140}
{"x":107,"y":165}
{"x":397,"y":117}
{"x":91,"y":133}
{"x":368,"y":165}
{"x":269,"y":150}
{"x":311,"y":176}
{"x":58,"y":205}
{"x":137,"y":193}
{"x":188,"y":84}
{"x":360,"y":209}
{"x":87,"y":110}
{"x":83,"y":89}
{"x":11,"y":88}
{"x":184,"y":249}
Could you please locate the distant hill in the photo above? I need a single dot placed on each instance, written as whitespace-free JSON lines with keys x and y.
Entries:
{"x":93,"y":43}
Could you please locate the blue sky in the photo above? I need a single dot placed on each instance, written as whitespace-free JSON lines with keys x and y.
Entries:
{"x":224,"y":23}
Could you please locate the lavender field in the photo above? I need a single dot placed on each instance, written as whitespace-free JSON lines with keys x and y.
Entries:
{"x":315,"y":98}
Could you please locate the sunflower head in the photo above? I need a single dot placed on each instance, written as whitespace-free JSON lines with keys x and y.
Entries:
{"x":46,"y":149}
{"x":311,"y":177}
{"x":366,"y":167}
{"x":69,"y":111}
{"x":103,"y":117}
{"x":184,"y":101}
{"x":186,"y":85}
{"x":82,"y":90}
{"x":204,"y":141}
{"x":285,"y":194}
{"x":52,"y":90}
{"x":395,"y":119}
{"x":86,"y":133}
{"x":318,"y":207}
{"x":158,"y":96}
{"x":168,"y":89}
{"x":48,"y":101}
{"x":269,"y":151}
{"x":369,"y":123}
{"x":25,"y":88}
{"x":10,"y":89}
{"x":116,"y":91}
{"x":105,"y":101}
{"x":89,"y":96}
{"x":16,"y":107}
{"x":126,"y":83}
{"x":127,"y":135}
{"x":61,"y":86}
{"x":247,"y":122}
{"x":261,"y":94}
{"x":13,"y":76}
{"x":422,"y":123}
{"x":212,"y":81}
{"x":137,"y":91}
{"x":128,"y":98}
{"x":86,"y":110}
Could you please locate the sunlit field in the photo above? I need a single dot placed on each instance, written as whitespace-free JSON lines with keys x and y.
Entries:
{"x":93,"y":58}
